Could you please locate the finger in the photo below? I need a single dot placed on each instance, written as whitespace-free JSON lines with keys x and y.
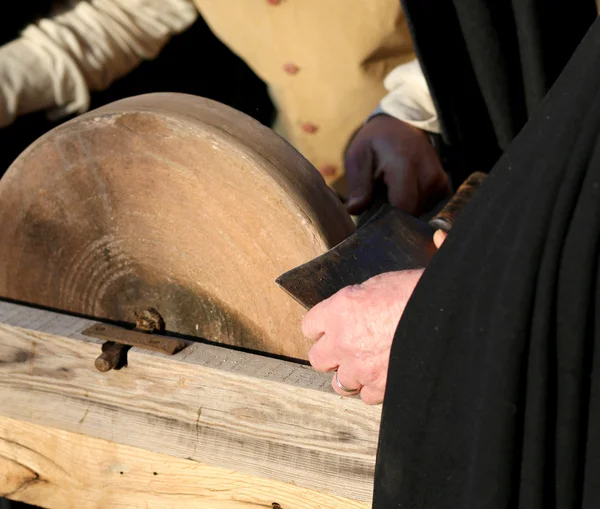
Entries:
{"x":315,"y":321}
{"x":439,"y":237}
{"x":323,"y":355}
{"x":344,"y":379}
{"x":359,"y":165}
{"x":372,"y":396}
{"x":402,"y":185}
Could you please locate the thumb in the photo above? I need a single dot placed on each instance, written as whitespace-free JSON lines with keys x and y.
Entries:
{"x":359,"y":174}
{"x":439,"y":237}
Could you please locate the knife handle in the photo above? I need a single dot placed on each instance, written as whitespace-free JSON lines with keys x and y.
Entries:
{"x":444,"y":220}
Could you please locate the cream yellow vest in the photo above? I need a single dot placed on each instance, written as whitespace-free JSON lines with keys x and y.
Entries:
{"x":323,"y":60}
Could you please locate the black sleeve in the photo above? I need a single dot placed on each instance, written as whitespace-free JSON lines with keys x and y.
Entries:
{"x":493,"y":395}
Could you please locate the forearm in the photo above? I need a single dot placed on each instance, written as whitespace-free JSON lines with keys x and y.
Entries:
{"x":25,"y":86}
{"x":57,"y":61}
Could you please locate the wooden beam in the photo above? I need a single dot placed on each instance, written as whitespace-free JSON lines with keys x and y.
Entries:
{"x":57,"y":469}
{"x":256,"y":415}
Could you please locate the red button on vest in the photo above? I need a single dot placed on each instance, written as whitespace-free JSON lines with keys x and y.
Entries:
{"x":291,"y":68}
{"x":328,"y":170}
{"x":274,"y":2}
{"x":310,"y":128}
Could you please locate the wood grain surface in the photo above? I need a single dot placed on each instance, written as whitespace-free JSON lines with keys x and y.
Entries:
{"x":256,"y":415}
{"x":61,"y":470}
{"x":173,"y":202}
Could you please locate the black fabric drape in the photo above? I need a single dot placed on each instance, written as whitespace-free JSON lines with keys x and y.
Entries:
{"x":488,"y":64}
{"x":493,"y":396}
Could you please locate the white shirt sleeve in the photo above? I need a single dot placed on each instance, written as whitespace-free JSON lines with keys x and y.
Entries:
{"x":84,"y":47}
{"x":408,"y":98}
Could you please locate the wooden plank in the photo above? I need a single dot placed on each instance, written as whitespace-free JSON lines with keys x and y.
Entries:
{"x":252,"y":414}
{"x":59,"y":470}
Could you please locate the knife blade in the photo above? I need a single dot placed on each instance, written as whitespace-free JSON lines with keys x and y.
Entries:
{"x":390,"y":240}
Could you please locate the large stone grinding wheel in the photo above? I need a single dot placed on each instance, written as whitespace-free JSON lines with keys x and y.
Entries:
{"x":172,"y":202}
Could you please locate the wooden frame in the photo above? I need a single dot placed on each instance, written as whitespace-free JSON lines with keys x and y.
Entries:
{"x":252,"y":427}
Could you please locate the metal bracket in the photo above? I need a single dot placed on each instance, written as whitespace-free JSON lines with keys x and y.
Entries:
{"x":119,"y":340}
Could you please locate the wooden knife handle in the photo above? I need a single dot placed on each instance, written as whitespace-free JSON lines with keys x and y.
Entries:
{"x":444,"y":220}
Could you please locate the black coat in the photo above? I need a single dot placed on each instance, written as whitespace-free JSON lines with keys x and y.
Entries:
{"x":489,"y":63}
{"x":493,"y":393}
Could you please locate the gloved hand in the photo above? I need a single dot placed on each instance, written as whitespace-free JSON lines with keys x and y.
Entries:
{"x":403,"y":158}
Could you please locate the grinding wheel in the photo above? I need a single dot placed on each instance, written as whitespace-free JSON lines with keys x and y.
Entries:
{"x":173,"y":202}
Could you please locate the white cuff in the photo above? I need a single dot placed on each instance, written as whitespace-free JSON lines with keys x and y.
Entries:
{"x":409,"y":99}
